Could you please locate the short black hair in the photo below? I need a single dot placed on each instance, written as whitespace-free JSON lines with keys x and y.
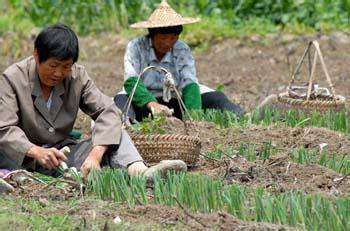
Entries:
{"x":165,"y":30}
{"x":57,"y":41}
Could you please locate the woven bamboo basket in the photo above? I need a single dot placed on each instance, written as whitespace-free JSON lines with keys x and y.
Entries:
{"x":156,"y":147}
{"x":310,"y":101}
{"x":320,"y":104}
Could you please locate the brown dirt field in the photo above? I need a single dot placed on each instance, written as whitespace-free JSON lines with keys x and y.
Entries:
{"x":282,"y":176}
{"x":219,"y":220}
{"x":249,"y":71}
{"x":279,"y":173}
{"x":281,"y":137}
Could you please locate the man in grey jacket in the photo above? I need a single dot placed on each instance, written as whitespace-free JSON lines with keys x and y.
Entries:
{"x":39,"y":101}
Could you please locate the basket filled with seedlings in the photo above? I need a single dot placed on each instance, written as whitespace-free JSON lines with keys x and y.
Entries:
{"x":156,"y":143}
{"x":309,"y":96}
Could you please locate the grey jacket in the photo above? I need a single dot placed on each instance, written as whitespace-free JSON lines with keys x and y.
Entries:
{"x":25,"y":120}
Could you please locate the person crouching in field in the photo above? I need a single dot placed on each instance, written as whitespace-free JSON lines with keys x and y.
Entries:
{"x":161,"y":48}
{"x":39,"y":101}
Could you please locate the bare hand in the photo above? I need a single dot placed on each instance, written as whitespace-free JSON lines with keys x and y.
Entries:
{"x":93,"y":161}
{"x":159,"y":109}
{"x":49,"y":158}
{"x":89,"y":164}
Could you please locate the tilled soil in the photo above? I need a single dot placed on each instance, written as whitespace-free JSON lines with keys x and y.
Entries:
{"x":292,"y":138}
{"x":281,"y":137}
{"x":278,"y":173}
{"x":217,"y":220}
{"x":279,"y":176}
{"x":249,"y":70}
{"x":89,"y":212}
{"x":43,"y":192}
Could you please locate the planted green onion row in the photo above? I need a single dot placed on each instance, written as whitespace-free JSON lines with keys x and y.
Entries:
{"x":337,"y":121}
{"x":203,"y":194}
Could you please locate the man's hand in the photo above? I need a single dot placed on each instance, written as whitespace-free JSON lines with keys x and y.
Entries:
{"x":158,"y":109}
{"x":49,"y":158}
{"x":93,"y":161}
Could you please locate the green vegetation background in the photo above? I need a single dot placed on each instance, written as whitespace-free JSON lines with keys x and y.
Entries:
{"x":220,"y":18}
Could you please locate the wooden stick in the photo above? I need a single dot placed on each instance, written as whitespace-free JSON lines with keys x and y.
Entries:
{"x":343,"y":179}
{"x":297,"y":69}
{"x":189,"y":214}
{"x":273,"y":175}
{"x":311,"y":77}
{"x":317,"y":46}
{"x":24,"y":172}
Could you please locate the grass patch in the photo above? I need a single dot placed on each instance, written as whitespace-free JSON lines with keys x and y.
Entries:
{"x":75,"y":214}
{"x":32,"y":215}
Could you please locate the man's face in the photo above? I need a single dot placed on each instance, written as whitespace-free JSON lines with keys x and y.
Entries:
{"x":164,"y":42}
{"x":53,"y":71}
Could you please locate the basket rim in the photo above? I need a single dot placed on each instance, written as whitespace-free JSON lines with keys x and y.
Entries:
{"x":284,"y":97}
{"x":190,"y":153}
{"x":175,"y":136}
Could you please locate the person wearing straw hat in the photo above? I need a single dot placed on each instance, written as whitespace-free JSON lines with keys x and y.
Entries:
{"x":161,"y":48}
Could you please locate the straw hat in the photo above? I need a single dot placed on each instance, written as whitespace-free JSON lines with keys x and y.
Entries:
{"x":164,"y":16}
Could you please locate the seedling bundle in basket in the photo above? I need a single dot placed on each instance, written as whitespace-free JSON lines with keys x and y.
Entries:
{"x":156,"y":147}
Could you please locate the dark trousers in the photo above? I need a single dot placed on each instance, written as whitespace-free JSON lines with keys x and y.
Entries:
{"x":211,"y":100}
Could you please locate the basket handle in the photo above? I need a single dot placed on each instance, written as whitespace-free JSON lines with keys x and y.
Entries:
{"x":311,"y":77}
{"x":172,"y":87}
{"x":312,"y":69}
{"x":300,"y":62}
{"x":323,"y":64}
